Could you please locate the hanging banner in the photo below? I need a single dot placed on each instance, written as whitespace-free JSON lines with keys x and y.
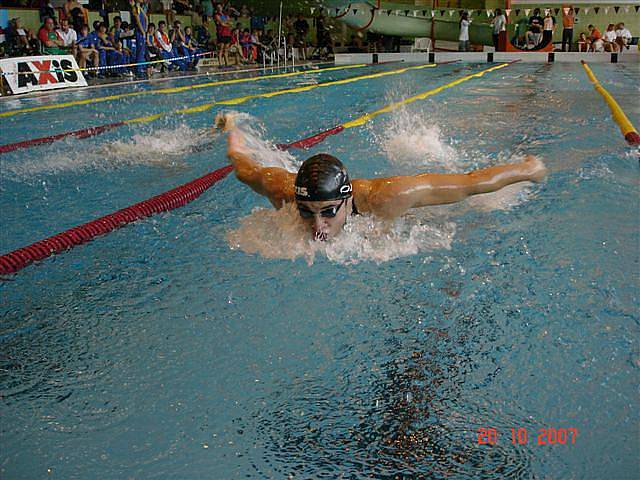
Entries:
{"x":28,"y":74}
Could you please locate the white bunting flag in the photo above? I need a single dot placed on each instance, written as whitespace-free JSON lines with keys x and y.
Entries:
{"x":489,"y":12}
{"x":586,"y":10}
{"x":626,"y":9}
{"x":312,"y":10}
{"x":451,"y":13}
{"x":508,"y":11}
{"x":546,"y":12}
{"x":527,"y":11}
{"x":565,"y":10}
{"x":606,"y":10}
{"x":433,"y":13}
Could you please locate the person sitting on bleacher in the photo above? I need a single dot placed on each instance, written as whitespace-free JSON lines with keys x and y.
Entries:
{"x":152,"y":52}
{"x":191,"y":47}
{"x":609,"y":38}
{"x":116,"y":30}
{"x":20,"y":40}
{"x":68,"y":36}
{"x":86,"y":50}
{"x":52,"y":44}
{"x":595,"y":39}
{"x":165,"y":48}
{"x":623,"y":36}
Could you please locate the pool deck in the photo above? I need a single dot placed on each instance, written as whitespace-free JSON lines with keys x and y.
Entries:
{"x":628,"y":56}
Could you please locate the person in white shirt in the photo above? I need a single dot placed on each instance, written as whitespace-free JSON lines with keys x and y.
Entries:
{"x":463,"y":38}
{"x":609,"y":37}
{"x":68,"y":36}
{"x":623,"y":36}
{"x":499,"y":24}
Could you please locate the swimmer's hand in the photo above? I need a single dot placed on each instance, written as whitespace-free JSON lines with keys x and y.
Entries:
{"x":225,"y":121}
{"x":536,"y":168}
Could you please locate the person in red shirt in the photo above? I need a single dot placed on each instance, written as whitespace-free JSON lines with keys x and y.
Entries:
{"x":51,"y":41}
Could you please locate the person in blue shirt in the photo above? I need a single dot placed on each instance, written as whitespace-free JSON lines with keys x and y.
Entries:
{"x":141,"y":22}
{"x":87,"y":50}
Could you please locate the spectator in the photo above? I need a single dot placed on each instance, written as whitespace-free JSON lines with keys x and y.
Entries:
{"x":534,"y":34}
{"x":207,"y":10}
{"x":165,"y":47}
{"x":463,"y":38}
{"x":223,"y":31}
{"x":568,"y":20}
{"x":20,"y":40}
{"x":86,"y":50}
{"x":106,"y":50}
{"x":46,"y":10}
{"x":168,"y":11}
{"x":75,"y":14}
{"x":257,"y":22}
{"x":623,"y":36}
{"x":583,"y":43}
{"x":116,"y":30}
{"x":247,"y":45}
{"x":52,"y":44}
{"x":176,"y":37}
{"x":152,"y":52}
{"x":68,"y":35}
{"x":595,"y":39}
{"x":140,"y":23}
{"x":181,"y":6}
{"x":192,"y":48}
{"x":609,"y":39}
{"x":235,"y":49}
{"x":499,"y":23}
{"x":301,"y":27}
{"x":549,"y":25}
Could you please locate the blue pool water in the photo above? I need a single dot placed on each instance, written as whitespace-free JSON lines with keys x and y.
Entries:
{"x":201,"y":344}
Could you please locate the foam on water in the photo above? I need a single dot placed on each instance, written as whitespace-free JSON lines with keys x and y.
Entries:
{"x":163,"y":147}
{"x":281,"y":234}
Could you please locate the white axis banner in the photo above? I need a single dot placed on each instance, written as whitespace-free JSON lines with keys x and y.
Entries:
{"x":47,"y":72}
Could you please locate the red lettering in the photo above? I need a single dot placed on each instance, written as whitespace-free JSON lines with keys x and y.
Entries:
{"x":45,"y":76}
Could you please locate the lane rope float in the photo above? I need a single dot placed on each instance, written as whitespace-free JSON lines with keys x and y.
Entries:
{"x":171,"y":90}
{"x":91,"y":131}
{"x":628,"y":130}
{"x":18,"y":259}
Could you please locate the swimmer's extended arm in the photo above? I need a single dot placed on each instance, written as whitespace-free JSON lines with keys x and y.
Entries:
{"x":391,"y":197}
{"x":274,"y":183}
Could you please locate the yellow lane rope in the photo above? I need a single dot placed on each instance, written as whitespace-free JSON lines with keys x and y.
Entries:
{"x":421,"y":96}
{"x":90,"y":101}
{"x":628,"y":131}
{"x":238,"y":100}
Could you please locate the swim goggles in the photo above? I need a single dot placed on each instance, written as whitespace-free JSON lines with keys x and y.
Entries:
{"x":328,"y":212}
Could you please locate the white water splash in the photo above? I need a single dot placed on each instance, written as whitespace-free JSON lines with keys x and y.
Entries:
{"x":164,"y":148}
{"x":409,"y":140}
{"x":281,"y":234}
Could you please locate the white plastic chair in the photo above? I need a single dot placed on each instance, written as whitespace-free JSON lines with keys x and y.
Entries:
{"x":421,"y":45}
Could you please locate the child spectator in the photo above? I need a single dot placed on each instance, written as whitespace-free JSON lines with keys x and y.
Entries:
{"x":583,"y":42}
{"x":246,"y":44}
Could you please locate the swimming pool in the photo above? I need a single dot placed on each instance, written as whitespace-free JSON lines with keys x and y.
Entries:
{"x":193,"y":345}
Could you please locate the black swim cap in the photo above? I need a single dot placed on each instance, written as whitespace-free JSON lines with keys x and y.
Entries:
{"x":322,"y":177}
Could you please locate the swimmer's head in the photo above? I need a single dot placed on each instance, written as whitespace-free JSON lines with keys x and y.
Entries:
{"x":323,"y":195}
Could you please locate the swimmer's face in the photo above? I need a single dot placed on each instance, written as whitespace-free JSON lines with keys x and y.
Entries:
{"x":324,"y":219}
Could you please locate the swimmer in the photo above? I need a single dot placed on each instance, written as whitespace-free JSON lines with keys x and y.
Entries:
{"x":326,"y":197}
